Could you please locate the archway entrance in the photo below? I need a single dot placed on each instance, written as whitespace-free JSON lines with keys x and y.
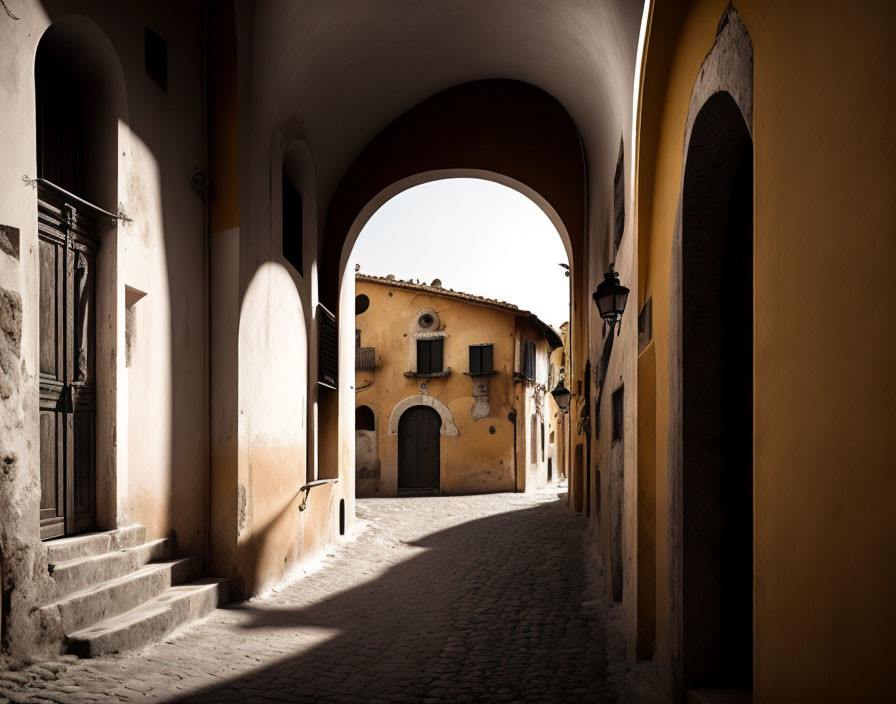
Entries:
{"x":76,"y":168}
{"x":418,"y":449}
{"x":521,"y":139}
{"x":717,"y":376}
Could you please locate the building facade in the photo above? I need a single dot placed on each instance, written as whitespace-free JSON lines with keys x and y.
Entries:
{"x":452,"y":392}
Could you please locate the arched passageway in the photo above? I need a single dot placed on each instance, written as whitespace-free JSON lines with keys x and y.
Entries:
{"x":473,"y":352}
{"x":502,"y":131}
{"x":717,"y":383}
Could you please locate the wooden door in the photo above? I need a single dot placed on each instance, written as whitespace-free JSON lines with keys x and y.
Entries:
{"x":418,"y":448}
{"x":67,"y":367}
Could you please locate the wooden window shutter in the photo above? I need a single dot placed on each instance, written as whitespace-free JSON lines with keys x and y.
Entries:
{"x":327,"y":348}
{"x":481,"y":359}
{"x":429,"y":356}
{"x":437,"y":355}
{"x":527,"y":359}
{"x":423,"y":356}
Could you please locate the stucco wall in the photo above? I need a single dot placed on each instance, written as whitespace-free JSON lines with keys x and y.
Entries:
{"x":823,"y":411}
{"x":152,"y":434}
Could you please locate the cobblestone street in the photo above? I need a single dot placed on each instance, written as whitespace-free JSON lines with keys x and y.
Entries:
{"x":438,"y":599}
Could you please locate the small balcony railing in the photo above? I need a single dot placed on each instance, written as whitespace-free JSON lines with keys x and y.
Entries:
{"x":365,"y":359}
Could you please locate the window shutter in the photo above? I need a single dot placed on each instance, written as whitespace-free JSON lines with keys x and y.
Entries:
{"x":488,"y":355}
{"x":436,"y":361}
{"x":429,"y":356}
{"x":527,"y":361}
{"x":481,"y":359}
{"x":327,"y":346}
{"x":423,"y":357}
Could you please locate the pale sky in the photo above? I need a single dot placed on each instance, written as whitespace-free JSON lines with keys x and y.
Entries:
{"x":476,"y":236}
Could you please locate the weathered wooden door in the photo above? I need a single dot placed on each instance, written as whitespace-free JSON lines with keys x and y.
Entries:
{"x":68,"y":249}
{"x":418,"y":448}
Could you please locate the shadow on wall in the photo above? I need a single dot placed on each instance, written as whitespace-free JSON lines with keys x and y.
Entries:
{"x":475,"y":611}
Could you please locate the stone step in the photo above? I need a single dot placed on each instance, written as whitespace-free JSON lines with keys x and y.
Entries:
{"x":84,"y":608}
{"x":152,"y":621}
{"x":84,"y":572}
{"x":89,"y":544}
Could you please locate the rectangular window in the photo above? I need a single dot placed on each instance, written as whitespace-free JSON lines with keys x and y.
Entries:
{"x":429,"y":356}
{"x":292,"y":224}
{"x":156,"y":55}
{"x":527,"y":359}
{"x":617,"y":413}
{"x":482,"y":359}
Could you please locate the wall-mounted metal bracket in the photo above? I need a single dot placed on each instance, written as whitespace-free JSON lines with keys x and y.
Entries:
{"x":307,"y":490}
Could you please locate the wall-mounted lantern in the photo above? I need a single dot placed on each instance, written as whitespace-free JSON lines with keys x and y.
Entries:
{"x":561,"y":395}
{"x":610,"y":298}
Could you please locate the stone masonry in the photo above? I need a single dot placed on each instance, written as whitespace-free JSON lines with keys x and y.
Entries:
{"x":437,"y":599}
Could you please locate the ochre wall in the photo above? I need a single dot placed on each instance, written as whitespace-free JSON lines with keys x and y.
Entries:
{"x":824,"y":403}
{"x":476,"y":461}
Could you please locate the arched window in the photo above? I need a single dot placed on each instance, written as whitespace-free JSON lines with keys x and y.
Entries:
{"x":364,"y":419}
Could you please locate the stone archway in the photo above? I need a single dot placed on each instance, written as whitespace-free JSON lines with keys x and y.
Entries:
{"x":448,"y":429}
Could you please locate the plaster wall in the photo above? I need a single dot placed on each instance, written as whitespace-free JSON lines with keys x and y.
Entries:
{"x":822,"y":413}
{"x":157,"y":141}
{"x":279,"y":429}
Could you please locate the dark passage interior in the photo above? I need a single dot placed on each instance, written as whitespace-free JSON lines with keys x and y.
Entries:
{"x":717,"y":344}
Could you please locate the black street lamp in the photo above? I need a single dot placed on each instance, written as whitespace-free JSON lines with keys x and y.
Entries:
{"x":610,"y":298}
{"x":561,"y":395}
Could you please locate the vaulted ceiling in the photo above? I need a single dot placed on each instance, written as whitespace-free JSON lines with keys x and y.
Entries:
{"x":346,"y":69}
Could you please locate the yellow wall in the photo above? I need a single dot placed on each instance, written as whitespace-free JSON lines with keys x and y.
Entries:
{"x":476,"y":461}
{"x":824,"y":402}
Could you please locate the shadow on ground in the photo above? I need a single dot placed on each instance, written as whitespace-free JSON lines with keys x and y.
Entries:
{"x":490,"y":610}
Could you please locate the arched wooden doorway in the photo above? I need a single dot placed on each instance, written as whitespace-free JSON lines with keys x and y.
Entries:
{"x":717,"y":400}
{"x":78,"y":105}
{"x":418,"y":449}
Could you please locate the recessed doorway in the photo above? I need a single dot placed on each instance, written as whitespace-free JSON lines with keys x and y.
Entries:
{"x":418,"y":449}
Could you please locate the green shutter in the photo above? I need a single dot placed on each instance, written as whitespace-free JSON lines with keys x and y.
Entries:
{"x":422,"y":356}
{"x":481,"y":359}
{"x":429,"y":356}
{"x":527,"y":359}
{"x":487,"y":363}
{"x":436,"y":361}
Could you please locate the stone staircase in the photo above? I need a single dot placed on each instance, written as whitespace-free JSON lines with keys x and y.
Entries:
{"x":117,"y":592}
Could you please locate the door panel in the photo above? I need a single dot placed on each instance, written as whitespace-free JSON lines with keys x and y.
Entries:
{"x":52,"y":387}
{"x":428,"y":425}
{"x":67,"y":302}
{"x":418,"y":448}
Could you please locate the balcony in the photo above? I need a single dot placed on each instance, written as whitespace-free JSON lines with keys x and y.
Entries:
{"x":365,"y":359}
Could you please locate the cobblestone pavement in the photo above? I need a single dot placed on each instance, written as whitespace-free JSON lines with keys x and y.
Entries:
{"x":438,"y":599}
